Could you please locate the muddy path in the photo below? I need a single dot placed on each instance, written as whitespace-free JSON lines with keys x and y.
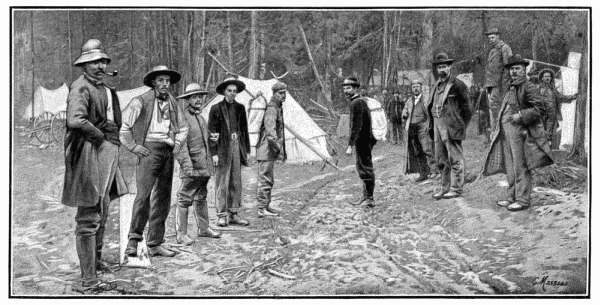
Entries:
{"x":408,"y":244}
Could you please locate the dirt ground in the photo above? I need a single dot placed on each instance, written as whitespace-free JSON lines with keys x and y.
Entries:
{"x":409,"y":244}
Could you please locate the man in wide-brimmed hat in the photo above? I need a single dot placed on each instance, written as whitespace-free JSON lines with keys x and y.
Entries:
{"x":519,"y":142}
{"x":92,"y":174}
{"x":553,"y":100}
{"x":419,"y":157}
{"x":270,"y":148}
{"x":361,"y":139}
{"x":450,"y":108}
{"x":496,"y":79}
{"x":196,"y":168}
{"x":229,"y":148}
{"x":153,"y":128}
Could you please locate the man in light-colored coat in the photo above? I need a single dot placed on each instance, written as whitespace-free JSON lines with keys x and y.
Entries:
{"x":270,"y":148}
{"x":519,"y":142}
{"x":496,"y":75}
{"x":92,"y":174}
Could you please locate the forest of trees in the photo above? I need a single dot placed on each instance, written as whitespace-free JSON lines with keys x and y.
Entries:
{"x":260,"y":44}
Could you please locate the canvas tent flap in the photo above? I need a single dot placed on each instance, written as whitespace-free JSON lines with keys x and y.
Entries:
{"x":126,"y":95}
{"x":53,"y":101}
{"x":295,"y":118}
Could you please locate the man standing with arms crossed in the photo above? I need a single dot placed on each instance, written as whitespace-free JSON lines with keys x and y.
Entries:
{"x":154,"y":129}
{"x":361,"y":139}
{"x":92,"y":174}
{"x":270,"y":148}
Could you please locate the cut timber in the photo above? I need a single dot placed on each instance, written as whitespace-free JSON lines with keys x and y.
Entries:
{"x":143,"y":258}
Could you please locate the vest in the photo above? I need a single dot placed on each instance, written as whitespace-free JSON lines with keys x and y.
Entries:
{"x":419,"y":113}
{"x":140,"y":128}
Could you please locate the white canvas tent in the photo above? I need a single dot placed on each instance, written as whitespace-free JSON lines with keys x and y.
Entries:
{"x":55,"y":101}
{"x":296,"y":120}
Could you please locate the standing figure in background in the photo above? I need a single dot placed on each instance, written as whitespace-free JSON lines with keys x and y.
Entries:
{"x":361,"y":139}
{"x":196,"y":168}
{"x":394,"y":108}
{"x":154,"y":129}
{"x":553,"y":100}
{"x":270,"y":148}
{"x":451,"y":111}
{"x":92,"y":174}
{"x":496,"y":76}
{"x":419,"y":144}
{"x":519,"y":142}
{"x":229,"y":148}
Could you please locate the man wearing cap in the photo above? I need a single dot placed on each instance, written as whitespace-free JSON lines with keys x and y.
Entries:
{"x":553,"y":100}
{"x":154,"y":127}
{"x":92,"y":174}
{"x":196,"y":168}
{"x":496,"y":79}
{"x":451,"y":111}
{"x":419,"y":144}
{"x":229,"y":147}
{"x":519,"y":142}
{"x":394,"y":106}
{"x":270,"y":148}
{"x":361,"y":139}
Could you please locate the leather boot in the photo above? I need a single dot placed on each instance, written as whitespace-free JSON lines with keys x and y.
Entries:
{"x":181,"y":223}
{"x":370,"y":189}
{"x":364,"y":196}
{"x":86,"y":251}
{"x":101,"y":266}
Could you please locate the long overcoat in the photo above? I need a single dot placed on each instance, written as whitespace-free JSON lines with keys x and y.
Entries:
{"x":411,"y":164}
{"x":218,"y":122}
{"x":456,"y":112}
{"x":86,"y":119}
{"x":537,"y":149}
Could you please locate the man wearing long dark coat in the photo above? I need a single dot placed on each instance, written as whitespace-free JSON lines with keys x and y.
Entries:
{"x":419,"y":144}
{"x":229,"y":147}
{"x":361,"y":139}
{"x":519,"y":142}
{"x":451,"y":111}
{"x":92,"y":174}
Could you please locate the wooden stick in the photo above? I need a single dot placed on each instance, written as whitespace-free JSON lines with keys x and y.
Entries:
{"x":281,"y":275}
{"x":305,"y":142}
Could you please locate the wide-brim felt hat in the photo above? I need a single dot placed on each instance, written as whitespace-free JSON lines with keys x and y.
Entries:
{"x":91,"y":51}
{"x":546,"y":71}
{"x":351,"y":81}
{"x":442,"y":58}
{"x":491,"y":31}
{"x":231,"y":81}
{"x":161,"y":70}
{"x":192,"y":89}
{"x":516,"y":59}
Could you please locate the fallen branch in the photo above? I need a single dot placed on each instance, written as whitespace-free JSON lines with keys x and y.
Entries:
{"x":281,"y":275}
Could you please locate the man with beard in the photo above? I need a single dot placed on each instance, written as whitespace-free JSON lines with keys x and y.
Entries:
{"x":519,"y":144}
{"x":154,"y":128}
{"x":451,"y":111}
{"x":496,"y":76}
{"x":419,"y":145}
{"x":552,"y":99}
{"x":92,"y":174}
{"x":270,"y":148}
{"x":394,"y":106}
{"x":361,"y":139}
{"x":229,"y":148}
{"x":196,"y":168}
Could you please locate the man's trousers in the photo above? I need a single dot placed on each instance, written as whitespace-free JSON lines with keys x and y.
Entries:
{"x":517,"y":174}
{"x":419,"y":140}
{"x":194,"y":192}
{"x":154,"y":175}
{"x":364,"y":166}
{"x":265,"y":183}
{"x":449,"y":158}
{"x":229,"y":182}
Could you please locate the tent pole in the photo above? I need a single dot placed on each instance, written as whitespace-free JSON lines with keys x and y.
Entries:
{"x":227,"y":71}
{"x":305,"y":142}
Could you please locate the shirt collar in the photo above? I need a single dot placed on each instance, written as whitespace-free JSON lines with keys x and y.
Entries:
{"x":92,"y":80}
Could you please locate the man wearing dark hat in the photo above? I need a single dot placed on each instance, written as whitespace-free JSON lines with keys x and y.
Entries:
{"x":553,"y":100}
{"x":270,"y":148}
{"x":419,"y":144}
{"x":361,"y":139}
{"x":394,"y":106}
{"x":451,"y":111}
{"x":92,"y":174}
{"x":229,"y":148}
{"x":519,"y":142}
{"x":153,"y":128}
{"x":196,"y":168}
{"x":496,"y":79}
